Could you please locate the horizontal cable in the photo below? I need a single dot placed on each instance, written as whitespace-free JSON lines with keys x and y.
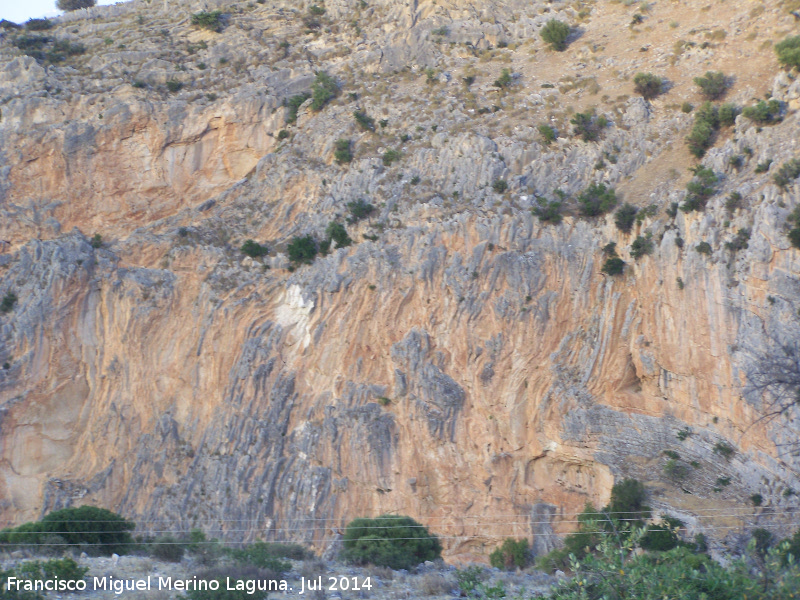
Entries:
{"x":516,"y":516}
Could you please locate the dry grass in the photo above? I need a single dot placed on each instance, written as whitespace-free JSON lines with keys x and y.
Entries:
{"x":435,"y":584}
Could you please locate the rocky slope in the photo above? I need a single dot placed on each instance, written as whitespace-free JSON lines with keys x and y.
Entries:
{"x":462,"y":362}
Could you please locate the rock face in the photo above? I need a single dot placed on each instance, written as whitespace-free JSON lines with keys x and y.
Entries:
{"x":463,"y":362}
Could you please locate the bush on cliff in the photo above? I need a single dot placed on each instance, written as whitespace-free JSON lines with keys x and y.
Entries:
{"x":393,"y":541}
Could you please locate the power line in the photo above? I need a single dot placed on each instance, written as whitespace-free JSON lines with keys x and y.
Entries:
{"x":713,"y":512}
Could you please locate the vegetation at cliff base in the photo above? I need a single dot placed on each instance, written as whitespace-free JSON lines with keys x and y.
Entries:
{"x":94,"y":529}
{"x":511,"y":554}
{"x":393,"y":541}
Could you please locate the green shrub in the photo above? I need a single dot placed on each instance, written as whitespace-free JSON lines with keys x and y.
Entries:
{"x":613,"y":266}
{"x":596,"y":200}
{"x":337,"y":232}
{"x":8,"y":302}
{"x":740,"y":242}
{"x":359,"y":209}
{"x":764,"y":113}
{"x":302,"y":249}
{"x":788,"y":172}
{"x":706,"y":123}
{"x":31,"y":43}
{"x":469,"y":579}
{"x":687,"y":107}
{"x":253,"y":249}
{"x":733,"y":202}
{"x":342,"y":153}
{"x":727,"y":114}
{"x":70,"y":5}
{"x":174,"y":86}
{"x":323,"y":90}
{"x":293,"y":104}
{"x":206,"y":552}
{"x":393,"y":541}
{"x":511,"y":554}
{"x":505,"y":80}
{"x":548,"y":133}
{"x":38,"y":24}
{"x":610,"y":249}
{"x":268,"y":556}
{"x":641,"y":246}
{"x":549,"y":212}
{"x":64,"y":568}
{"x":788,"y":52}
{"x":167,"y":548}
{"x":283,"y":134}
{"x":756,"y":499}
{"x":625,"y":217}
{"x":9,"y":25}
{"x":794,"y":237}
{"x":208,"y":20}
{"x":555,"y":33}
{"x":684,"y":433}
{"x":391,"y":156}
{"x":96,"y":529}
{"x":660,"y":537}
{"x":791,"y":547}
{"x":674,"y":469}
{"x":364,"y":121}
{"x":619,"y":572}
{"x":315,"y":10}
{"x":763,"y":167}
{"x":713,"y":84}
{"x":703,"y":248}
{"x":588,"y":126}
{"x":699,"y":189}
{"x":628,"y":498}
{"x":648,"y":85}
{"x":260,"y":578}
{"x":499,"y":185}
{"x":724,"y":449}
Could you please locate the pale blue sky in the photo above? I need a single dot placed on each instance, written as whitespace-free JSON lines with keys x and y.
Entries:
{"x":20,"y":11}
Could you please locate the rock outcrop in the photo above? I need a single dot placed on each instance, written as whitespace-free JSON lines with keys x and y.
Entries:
{"x":462,"y":362}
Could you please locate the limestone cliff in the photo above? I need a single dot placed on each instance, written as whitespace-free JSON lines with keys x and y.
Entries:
{"x":462,"y":362}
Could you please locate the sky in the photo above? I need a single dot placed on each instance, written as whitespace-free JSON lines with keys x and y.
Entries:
{"x":20,"y":11}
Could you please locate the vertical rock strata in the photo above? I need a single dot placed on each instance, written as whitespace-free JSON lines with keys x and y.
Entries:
{"x":469,"y":366}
